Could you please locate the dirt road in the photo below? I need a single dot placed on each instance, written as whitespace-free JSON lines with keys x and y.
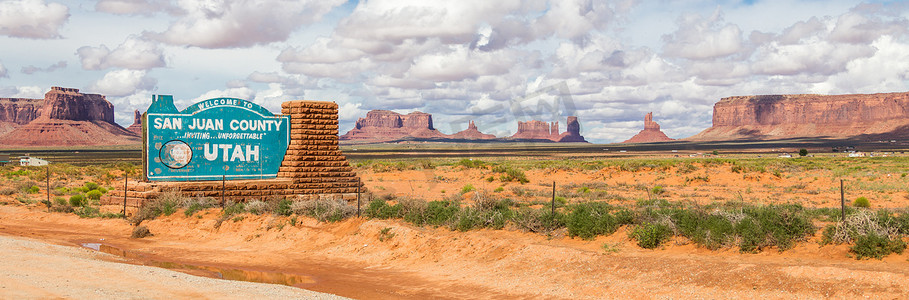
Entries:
{"x":355,"y":259}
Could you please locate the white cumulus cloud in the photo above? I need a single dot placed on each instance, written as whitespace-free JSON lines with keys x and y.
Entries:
{"x":33,"y":69}
{"x":242,"y":23}
{"x":131,"y":7}
{"x":32,"y":19}
{"x":120,"y":83}
{"x":699,"y":38}
{"x":135,"y":53}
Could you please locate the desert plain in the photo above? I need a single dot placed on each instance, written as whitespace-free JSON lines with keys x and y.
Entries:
{"x":490,"y":221}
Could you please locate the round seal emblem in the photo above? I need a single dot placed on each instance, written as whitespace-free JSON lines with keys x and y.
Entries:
{"x":175,"y":154}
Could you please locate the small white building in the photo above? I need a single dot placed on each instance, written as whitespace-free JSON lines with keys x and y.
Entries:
{"x":857,"y":154}
{"x":31,"y":161}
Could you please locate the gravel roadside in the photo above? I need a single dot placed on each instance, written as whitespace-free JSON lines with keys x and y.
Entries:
{"x":31,"y":269}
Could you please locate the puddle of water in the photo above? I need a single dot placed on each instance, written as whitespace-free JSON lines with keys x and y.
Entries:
{"x":208,"y":271}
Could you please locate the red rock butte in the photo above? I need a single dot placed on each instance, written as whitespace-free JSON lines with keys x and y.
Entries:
{"x":472,"y":133}
{"x":538,"y":130}
{"x":136,"y":127}
{"x":884,"y":115}
{"x":651,"y":132}
{"x":65,"y":117}
{"x":386,"y":126}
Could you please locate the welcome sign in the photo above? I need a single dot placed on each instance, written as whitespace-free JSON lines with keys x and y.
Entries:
{"x":228,"y":137}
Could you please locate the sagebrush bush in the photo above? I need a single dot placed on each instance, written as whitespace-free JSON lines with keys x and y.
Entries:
{"x":324,"y":210}
{"x":467,"y":188}
{"x":33,"y":189}
{"x":863,"y":223}
{"x":779,"y":226}
{"x":471,"y":163}
{"x":7,"y":191}
{"x":588,"y":220}
{"x":712,"y":231}
{"x":76,"y":200}
{"x":538,"y":220}
{"x":93,"y":195}
{"x":256,"y":207}
{"x":283,"y":207}
{"x":861,"y":202}
{"x":379,"y":209}
{"x":166,"y":204}
{"x":192,"y":205}
{"x":876,"y":246}
{"x":651,"y":235}
{"x":141,"y":232}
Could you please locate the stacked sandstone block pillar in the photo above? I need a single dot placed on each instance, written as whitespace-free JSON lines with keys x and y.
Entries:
{"x":313,"y":167}
{"x":313,"y":160}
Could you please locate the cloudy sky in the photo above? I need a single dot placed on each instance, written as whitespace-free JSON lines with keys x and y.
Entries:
{"x":608,"y":62}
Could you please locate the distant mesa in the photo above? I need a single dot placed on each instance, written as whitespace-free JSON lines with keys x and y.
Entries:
{"x":387,"y":126}
{"x":65,"y":117}
{"x":651,"y":132}
{"x":136,"y":127}
{"x":868,"y":116}
{"x":538,"y":130}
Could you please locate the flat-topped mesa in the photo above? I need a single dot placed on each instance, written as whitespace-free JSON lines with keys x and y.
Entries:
{"x":65,"y":117}
{"x":651,"y":132}
{"x":384,"y":125}
{"x":69,"y":104}
{"x":19,"y":111}
{"x":809,"y":115}
{"x":539,"y":130}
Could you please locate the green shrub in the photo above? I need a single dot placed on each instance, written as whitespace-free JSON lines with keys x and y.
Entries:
{"x":283,"y":207}
{"x":233,"y":209}
{"x":438,"y":213}
{"x":385,"y":234}
{"x":166,"y":204}
{"x":708,"y":230}
{"x":470,"y":163}
{"x":651,"y":235}
{"x":778,"y":226}
{"x":76,"y":201}
{"x":876,"y":246}
{"x":473,"y":218}
{"x":93,"y":195}
{"x":194,"y":205}
{"x":87,"y":212}
{"x":657,"y":190}
{"x":90,"y":186}
{"x":379,"y":209}
{"x":861,"y":202}
{"x":588,"y":220}
{"x":538,"y":220}
{"x":803,"y":152}
{"x":257,"y":207}
{"x":324,"y":210}
{"x":33,"y":189}
{"x":499,"y":189}
{"x":467,"y":188}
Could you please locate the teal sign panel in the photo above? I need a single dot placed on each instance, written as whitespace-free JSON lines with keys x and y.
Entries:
{"x":228,"y":137}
